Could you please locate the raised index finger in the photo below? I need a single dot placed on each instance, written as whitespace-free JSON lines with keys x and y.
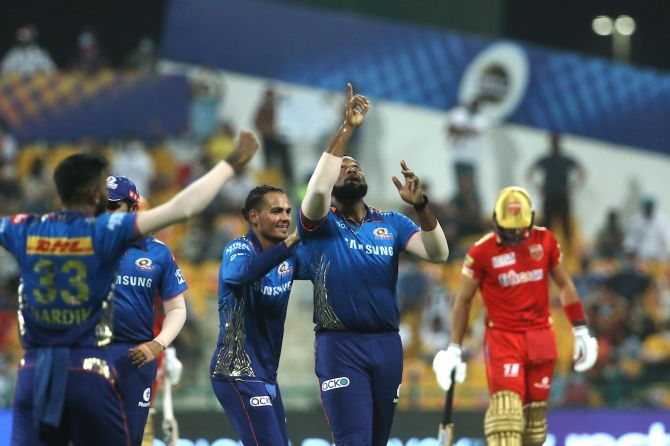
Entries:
{"x":350,"y":91}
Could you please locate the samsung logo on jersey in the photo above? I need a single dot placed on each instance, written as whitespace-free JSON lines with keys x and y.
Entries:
{"x":134,"y":281}
{"x":273,"y":290}
{"x":371,"y":249}
{"x":511,"y":278}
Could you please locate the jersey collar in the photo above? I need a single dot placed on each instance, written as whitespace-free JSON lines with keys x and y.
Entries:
{"x":371,"y":215}
{"x":140,"y":243}
{"x":251,"y":236}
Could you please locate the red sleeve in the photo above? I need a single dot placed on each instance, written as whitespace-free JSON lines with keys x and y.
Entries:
{"x":472,"y":264}
{"x":554,"y":250}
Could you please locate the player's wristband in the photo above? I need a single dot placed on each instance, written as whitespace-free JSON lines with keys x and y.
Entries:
{"x":575,"y":313}
{"x":421,"y":206}
{"x":160,"y":342}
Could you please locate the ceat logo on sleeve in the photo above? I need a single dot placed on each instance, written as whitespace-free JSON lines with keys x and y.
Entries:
{"x":18,"y":219}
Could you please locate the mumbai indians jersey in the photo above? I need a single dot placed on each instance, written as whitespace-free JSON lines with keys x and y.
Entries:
{"x":251,"y":313}
{"x":514,"y":280}
{"x":147,"y":270}
{"x":68,"y":262}
{"x":354,"y":269}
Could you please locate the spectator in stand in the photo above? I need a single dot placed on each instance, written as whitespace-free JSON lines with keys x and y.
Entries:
{"x":90,"y":57}
{"x":26,"y":58}
{"x":144,"y":57}
{"x":277,"y":151}
{"x":9,"y":150}
{"x":221,"y":143}
{"x":465,"y":129}
{"x":133,"y":161}
{"x":465,"y":209}
{"x":38,"y":196}
{"x":207,"y":91}
{"x":648,"y":235}
{"x":10,"y":193}
{"x":561,"y":176}
{"x":609,"y":241}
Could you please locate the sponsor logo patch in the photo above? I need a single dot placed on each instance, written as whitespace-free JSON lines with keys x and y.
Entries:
{"x":180,"y":277}
{"x":511,"y":278}
{"x":18,"y":219}
{"x":111,"y":183}
{"x":258,"y":401}
{"x":146,"y":396}
{"x":59,"y":246}
{"x":335,"y":383}
{"x":503,"y":260}
{"x":545,"y":383}
{"x":536,"y":251}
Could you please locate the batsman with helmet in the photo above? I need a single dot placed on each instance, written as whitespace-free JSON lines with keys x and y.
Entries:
{"x":511,"y":266}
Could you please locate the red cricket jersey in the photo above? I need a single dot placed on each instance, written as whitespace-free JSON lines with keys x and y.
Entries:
{"x":514,"y":280}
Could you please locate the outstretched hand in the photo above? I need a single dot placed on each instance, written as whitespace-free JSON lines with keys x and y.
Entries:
{"x":246,"y":146}
{"x":356,"y":108}
{"x":411,"y":191}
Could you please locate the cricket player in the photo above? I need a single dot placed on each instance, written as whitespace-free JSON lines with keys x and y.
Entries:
{"x":511,"y":267}
{"x":352,"y":251}
{"x":255,"y":281}
{"x":66,"y":389}
{"x":147,"y":271}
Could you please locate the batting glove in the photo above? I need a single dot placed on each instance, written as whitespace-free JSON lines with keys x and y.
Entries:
{"x":585,"y":352}
{"x":445,"y":362}
{"x":173,"y":366}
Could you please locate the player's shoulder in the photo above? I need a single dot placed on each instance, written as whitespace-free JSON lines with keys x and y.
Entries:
{"x":157,"y":246}
{"x":488,"y":239}
{"x":241,"y":243}
{"x":541,"y":233}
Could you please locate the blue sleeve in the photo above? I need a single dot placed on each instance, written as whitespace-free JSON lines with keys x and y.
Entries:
{"x":172,"y":282}
{"x":302,"y":261}
{"x":405,"y":229}
{"x":113,"y":233}
{"x":317,"y":232}
{"x":242,"y":265}
{"x":12,"y":233}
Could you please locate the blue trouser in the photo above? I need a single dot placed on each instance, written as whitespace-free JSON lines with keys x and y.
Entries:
{"x":134,"y":384}
{"x":256,"y":415}
{"x":359,"y":375}
{"x":92,"y":413}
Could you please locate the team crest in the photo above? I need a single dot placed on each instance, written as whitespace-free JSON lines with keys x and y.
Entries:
{"x":144,"y":263}
{"x":514,"y":208}
{"x":111,"y":182}
{"x":383,"y":234}
{"x":284,"y":268}
{"x":536,"y":251}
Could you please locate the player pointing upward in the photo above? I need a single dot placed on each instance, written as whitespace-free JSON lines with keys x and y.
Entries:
{"x":352,"y":251}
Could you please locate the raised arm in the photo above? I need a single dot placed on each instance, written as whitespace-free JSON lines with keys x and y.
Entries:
{"x":196,"y":196}
{"x":432,"y":245}
{"x":316,"y":203}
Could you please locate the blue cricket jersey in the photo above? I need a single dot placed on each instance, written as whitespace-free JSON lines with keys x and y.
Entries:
{"x":254,"y":288}
{"x":354,"y":269}
{"x":68,"y":262}
{"x":147,"y":270}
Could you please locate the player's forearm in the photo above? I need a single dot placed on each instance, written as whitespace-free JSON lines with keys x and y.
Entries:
{"x":459,"y":320}
{"x":175,"y":318}
{"x":254,"y":267}
{"x":190,"y":201}
{"x":431,"y":246}
{"x":316,"y":203}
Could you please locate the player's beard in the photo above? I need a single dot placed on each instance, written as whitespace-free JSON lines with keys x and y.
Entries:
{"x":349,"y":192}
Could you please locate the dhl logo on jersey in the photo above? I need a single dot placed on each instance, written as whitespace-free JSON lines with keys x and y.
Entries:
{"x":59,"y":246}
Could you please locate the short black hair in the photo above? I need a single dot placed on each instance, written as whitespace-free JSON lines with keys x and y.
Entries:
{"x":255,"y":198}
{"x":76,"y":174}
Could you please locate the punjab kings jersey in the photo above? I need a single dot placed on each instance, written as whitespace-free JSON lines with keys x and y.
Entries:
{"x":514,"y":279}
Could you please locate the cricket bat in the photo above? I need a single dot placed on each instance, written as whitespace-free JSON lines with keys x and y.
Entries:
{"x":170,"y":426}
{"x":445,"y":433}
